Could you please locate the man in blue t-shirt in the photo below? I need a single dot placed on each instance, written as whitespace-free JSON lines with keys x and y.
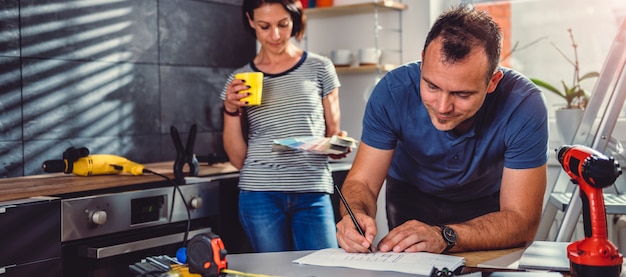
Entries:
{"x":461,"y":142}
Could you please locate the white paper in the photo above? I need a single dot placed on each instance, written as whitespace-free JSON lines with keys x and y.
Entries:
{"x":509,"y":261}
{"x":414,"y":263}
{"x":545,"y":255}
{"x":526,"y":274}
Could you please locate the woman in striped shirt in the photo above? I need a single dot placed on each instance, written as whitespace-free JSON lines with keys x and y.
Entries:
{"x":284,"y":201}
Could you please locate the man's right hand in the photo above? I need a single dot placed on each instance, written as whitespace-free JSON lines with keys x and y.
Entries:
{"x":349,"y":238}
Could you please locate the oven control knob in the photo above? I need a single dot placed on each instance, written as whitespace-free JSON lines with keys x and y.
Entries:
{"x":99,"y":217}
{"x":196,"y":202}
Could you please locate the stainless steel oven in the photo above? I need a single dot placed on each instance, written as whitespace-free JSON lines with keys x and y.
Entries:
{"x":102,"y":234}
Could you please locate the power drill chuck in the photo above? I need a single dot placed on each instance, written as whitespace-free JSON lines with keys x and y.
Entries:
{"x":54,"y":166}
{"x":600,"y":172}
{"x":593,"y":167}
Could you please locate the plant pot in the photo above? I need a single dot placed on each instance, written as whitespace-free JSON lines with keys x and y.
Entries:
{"x":567,"y":121}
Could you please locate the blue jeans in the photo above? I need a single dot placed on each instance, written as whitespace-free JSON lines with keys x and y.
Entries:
{"x":278,"y":221}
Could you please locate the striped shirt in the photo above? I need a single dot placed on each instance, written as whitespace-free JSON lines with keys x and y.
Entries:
{"x":291,"y":106}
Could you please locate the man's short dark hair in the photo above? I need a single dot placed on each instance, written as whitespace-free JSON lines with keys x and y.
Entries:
{"x":463,"y":28}
{"x":294,"y":7}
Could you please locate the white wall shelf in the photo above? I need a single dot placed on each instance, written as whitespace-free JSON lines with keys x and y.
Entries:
{"x":365,"y":68}
{"x":354,"y":9}
{"x":354,"y":39}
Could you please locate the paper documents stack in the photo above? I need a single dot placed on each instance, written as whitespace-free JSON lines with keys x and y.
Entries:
{"x":545,"y":255}
{"x":420,"y":263}
{"x":332,"y":145}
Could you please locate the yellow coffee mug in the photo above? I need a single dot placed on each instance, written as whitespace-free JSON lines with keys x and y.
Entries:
{"x":255,"y":81}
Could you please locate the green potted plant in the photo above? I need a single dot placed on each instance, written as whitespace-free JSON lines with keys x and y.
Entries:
{"x":568,"y":118}
{"x":574,"y":95}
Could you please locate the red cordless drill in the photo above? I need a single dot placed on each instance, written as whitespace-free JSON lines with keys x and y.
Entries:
{"x":594,"y":255}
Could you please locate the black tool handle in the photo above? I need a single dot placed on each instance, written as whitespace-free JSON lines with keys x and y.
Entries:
{"x":192,"y":161}
{"x":180,"y":157}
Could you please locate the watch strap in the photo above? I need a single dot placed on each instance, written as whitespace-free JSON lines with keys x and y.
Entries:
{"x":445,"y":238}
{"x":235,"y":113}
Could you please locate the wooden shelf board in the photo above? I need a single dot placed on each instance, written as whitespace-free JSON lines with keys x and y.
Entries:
{"x":365,"y":68}
{"x":385,"y":5}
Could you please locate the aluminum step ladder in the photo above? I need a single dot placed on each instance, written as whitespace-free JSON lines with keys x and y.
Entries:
{"x":594,"y":130}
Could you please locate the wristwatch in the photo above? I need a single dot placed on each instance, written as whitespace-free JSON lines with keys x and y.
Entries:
{"x":449,"y":236}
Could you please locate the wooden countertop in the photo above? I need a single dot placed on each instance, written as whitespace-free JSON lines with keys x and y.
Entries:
{"x":477,"y":257}
{"x":61,"y":183}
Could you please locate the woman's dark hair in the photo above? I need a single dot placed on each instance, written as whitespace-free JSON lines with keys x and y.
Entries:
{"x":463,"y":28}
{"x":293,"y":7}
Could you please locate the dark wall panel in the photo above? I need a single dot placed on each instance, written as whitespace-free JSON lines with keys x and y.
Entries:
{"x":222,"y":45}
{"x":190,"y":95}
{"x":9,"y":28}
{"x":115,"y":31}
{"x":113,"y":76}
{"x":10,"y":99}
{"x":66,"y":99}
{"x":11,"y":164}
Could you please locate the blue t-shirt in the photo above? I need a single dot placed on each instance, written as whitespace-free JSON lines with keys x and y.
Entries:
{"x":510,"y":130}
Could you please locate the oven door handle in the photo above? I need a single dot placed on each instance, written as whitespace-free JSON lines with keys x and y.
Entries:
{"x":3,"y":269}
{"x":134,"y":246}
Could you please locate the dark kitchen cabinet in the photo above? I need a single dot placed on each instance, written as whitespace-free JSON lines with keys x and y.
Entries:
{"x":229,"y":229}
{"x":30,"y":236}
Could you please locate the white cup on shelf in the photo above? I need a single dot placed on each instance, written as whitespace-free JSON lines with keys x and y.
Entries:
{"x":369,"y":56}
{"x":341,"y":57}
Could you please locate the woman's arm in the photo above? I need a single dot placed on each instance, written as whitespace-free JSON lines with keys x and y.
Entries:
{"x":233,"y":136}
{"x":332,"y":113}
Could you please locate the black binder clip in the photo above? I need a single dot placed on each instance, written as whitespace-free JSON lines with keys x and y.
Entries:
{"x":444,"y":272}
{"x":184,"y":155}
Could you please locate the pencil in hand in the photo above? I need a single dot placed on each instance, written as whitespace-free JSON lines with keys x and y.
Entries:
{"x":356,"y":223}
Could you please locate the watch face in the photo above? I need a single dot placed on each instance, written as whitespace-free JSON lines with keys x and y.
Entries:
{"x":449,"y":234}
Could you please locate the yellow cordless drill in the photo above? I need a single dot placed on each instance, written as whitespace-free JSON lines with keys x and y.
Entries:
{"x":79,"y":162}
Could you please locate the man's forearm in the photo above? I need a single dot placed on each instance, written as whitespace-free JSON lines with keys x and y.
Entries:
{"x":359,"y":197}
{"x":503,"y":229}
